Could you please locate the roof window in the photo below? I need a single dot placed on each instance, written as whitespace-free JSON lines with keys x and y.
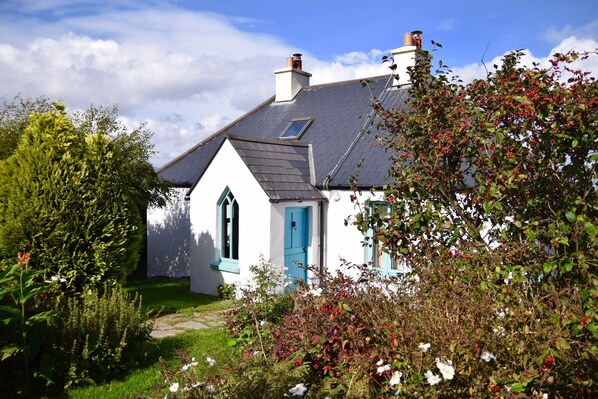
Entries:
{"x":295,"y":129}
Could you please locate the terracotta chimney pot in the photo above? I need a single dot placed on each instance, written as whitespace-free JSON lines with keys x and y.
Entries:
{"x":408,"y":39}
{"x":297,"y":64}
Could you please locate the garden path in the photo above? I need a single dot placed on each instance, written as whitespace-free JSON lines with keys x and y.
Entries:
{"x":172,"y":324}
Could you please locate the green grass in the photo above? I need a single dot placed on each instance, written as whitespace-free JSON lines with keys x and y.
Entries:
{"x":166,"y":296}
{"x":141,"y":381}
{"x":173,"y":296}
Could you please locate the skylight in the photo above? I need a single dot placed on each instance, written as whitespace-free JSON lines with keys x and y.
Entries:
{"x":295,"y":128}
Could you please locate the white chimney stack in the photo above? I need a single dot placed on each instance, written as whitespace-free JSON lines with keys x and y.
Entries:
{"x":405,"y":57}
{"x":291,"y":79}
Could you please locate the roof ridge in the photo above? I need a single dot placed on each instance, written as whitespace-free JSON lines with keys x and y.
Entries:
{"x":216,"y":134}
{"x":346,"y":82}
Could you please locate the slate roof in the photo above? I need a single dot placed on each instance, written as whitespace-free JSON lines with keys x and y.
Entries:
{"x":340,"y":111}
{"x":281,"y":168}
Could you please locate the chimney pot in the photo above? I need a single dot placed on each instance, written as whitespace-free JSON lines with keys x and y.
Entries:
{"x":297,"y":64}
{"x":289,"y":62}
{"x":417,"y":38}
{"x":408,"y":39}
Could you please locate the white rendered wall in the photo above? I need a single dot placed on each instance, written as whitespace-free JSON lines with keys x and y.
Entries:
{"x":344,"y":241}
{"x":226,"y":170}
{"x":168,"y":237}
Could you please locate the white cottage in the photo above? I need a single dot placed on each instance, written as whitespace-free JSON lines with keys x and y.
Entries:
{"x":277,"y":182}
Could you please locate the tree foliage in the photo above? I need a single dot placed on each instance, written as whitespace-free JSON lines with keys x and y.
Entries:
{"x":493,"y":194}
{"x":14,"y":117}
{"x":63,"y":198}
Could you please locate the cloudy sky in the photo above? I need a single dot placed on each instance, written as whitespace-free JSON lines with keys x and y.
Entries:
{"x":188,"y":68}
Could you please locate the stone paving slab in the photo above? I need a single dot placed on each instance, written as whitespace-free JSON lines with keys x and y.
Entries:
{"x":172,"y":324}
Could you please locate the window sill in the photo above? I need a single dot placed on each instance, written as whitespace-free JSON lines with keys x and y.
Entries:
{"x":227,"y":265}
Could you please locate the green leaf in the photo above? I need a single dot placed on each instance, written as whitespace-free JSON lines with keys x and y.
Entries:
{"x":517,"y":387}
{"x":548,"y":267}
{"x":41,"y":317}
{"x":567,"y":266}
{"x":563,"y":344}
{"x":563,"y":240}
{"x":523,"y":100}
{"x":570,"y":216}
{"x":11,"y":313}
{"x":590,"y":229}
{"x":531,"y":234}
{"x":8,"y":351}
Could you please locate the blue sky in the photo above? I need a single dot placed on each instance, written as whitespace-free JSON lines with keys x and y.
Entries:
{"x":188,"y":68}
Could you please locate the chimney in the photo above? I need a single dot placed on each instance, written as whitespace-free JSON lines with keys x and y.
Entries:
{"x":405,"y":56}
{"x":291,"y":79}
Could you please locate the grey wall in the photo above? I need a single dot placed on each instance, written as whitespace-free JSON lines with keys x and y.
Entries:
{"x":168,"y":234}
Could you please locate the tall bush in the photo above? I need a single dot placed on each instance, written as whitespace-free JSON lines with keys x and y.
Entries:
{"x":493,"y":196}
{"x":62,"y":199}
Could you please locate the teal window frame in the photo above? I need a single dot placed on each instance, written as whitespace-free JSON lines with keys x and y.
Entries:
{"x":228,"y":233}
{"x":374,"y":256}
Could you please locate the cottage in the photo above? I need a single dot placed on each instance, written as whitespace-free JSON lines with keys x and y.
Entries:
{"x":277,"y":182}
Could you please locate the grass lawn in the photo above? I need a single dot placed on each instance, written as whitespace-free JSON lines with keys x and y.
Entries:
{"x":173,"y":296}
{"x":166,"y":296}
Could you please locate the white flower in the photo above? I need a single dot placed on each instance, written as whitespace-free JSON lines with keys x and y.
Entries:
{"x":211,"y":362}
{"x":211,"y":389}
{"x":198,"y":385}
{"x":446,"y":369}
{"x":188,"y":366}
{"x":499,"y":331}
{"x":487,"y":356}
{"x":544,"y":396}
{"x":502,"y":313}
{"x":174,"y":387}
{"x":398,"y":392}
{"x":298,"y":390}
{"x":382,"y":369}
{"x":263,"y":322}
{"x":433,"y":379}
{"x":509,"y":278}
{"x":395,"y":379}
{"x":56,"y":279}
{"x":315,"y":292}
{"x":424,"y":347}
{"x":380,"y":362}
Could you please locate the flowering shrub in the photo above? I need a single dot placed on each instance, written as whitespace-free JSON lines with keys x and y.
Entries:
{"x":493,"y":198}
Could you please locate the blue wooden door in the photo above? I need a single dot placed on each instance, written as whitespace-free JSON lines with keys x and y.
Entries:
{"x":295,"y":242}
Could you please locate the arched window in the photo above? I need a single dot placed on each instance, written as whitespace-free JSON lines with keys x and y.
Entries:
{"x":229,"y":227}
{"x":228,"y":233}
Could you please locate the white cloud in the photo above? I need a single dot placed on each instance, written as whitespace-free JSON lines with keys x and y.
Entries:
{"x":478,"y":71}
{"x":557,"y":35}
